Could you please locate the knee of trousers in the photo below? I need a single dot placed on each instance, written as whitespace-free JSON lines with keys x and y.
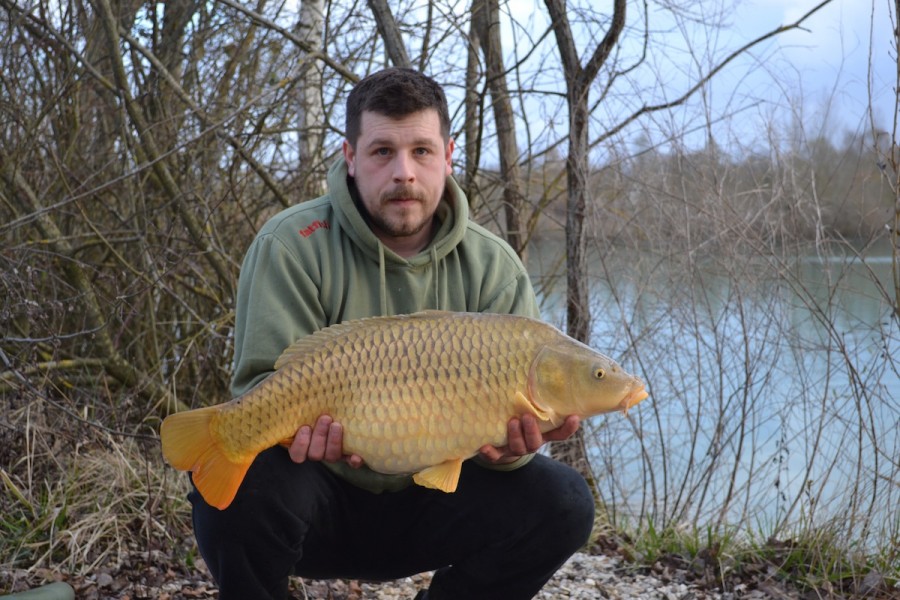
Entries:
{"x":268,"y":509}
{"x":255,"y":520}
{"x":570,"y":510}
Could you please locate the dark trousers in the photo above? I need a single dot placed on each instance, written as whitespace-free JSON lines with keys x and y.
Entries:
{"x":500,"y":536}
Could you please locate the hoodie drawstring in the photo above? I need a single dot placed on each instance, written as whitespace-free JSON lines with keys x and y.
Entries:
{"x":437,"y":278}
{"x":382,"y":274}
{"x":382,"y":280}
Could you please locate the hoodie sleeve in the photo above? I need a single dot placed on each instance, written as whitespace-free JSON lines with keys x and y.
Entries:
{"x":277,"y":303}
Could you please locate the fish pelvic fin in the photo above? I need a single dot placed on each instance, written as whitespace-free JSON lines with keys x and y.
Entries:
{"x":189,"y":445}
{"x":444,"y":477}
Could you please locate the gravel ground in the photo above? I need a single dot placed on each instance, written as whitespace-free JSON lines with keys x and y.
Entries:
{"x":584,"y":577}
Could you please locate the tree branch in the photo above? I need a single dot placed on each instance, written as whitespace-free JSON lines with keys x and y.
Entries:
{"x":312,"y":52}
{"x":149,"y":147}
{"x":390,"y":33}
{"x":705,"y":79}
{"x":112,"y":362}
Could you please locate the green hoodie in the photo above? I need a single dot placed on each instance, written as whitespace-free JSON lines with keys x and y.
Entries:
{"x":318,"y":263}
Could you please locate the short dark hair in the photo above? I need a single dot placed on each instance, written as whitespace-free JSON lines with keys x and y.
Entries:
{"x":395,"y":92}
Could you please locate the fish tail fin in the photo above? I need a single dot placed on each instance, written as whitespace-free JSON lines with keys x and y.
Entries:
{"x":188,"y":444}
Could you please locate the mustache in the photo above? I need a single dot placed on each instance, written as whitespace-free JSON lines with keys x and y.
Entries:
{"x":402,"y":192}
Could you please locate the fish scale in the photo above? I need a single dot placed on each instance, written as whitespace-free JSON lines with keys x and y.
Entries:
{"x":415,"y":394}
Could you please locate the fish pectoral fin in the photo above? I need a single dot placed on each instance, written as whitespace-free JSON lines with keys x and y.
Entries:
{"x":444,"y":476}
{"x":524,"y":405}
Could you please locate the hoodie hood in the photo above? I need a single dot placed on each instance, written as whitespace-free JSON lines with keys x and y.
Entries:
{"x":452,"y":212}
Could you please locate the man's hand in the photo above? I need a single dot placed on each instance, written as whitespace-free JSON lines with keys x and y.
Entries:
{"x":524,"y":437}
{"x":324,"y":441}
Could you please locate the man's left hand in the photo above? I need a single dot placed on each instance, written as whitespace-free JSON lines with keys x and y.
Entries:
{"x":524,"y":437}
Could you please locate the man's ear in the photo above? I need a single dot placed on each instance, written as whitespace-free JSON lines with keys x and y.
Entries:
{"x":449,"y":156}
{"x":350,"y":158}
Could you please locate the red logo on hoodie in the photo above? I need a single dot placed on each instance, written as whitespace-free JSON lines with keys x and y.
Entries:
{"x":308,"y":231}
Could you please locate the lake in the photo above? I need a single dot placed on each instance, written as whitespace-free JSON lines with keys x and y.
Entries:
{"x":774,"y":384}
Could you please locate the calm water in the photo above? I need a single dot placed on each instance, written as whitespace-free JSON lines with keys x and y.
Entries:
{"x":775,"y":393}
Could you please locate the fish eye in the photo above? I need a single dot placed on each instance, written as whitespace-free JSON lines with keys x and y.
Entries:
{"x":599,"y":373}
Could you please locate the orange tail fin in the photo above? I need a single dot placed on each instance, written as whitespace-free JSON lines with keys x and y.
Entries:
{"x":189,"y":445}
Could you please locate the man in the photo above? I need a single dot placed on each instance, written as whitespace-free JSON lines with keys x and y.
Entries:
{"x":391,"y":236}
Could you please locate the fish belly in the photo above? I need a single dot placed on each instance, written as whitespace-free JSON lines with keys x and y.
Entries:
{"x":411,"y":434}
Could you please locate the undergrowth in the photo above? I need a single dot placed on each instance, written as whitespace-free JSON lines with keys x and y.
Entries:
{"x":813,"y":560}
{"x":76,"y":498}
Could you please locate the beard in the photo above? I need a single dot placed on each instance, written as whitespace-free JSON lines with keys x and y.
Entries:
{"x":398,"y":227}
{"x":400,"y":222}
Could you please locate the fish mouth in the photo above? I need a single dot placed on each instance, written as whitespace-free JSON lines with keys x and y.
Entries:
{"x":638,"y":393}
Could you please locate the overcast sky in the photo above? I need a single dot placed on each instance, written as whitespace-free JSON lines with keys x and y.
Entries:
{"x":818,"y":76}
{"x":831,"y":59}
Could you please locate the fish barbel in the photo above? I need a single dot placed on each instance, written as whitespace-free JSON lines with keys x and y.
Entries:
{"x":415,"y":394}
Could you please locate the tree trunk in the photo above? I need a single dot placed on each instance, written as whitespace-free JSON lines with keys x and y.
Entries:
{"x":486,"y":23}
{"x":894,"y":154}
{"x":390,"y":33}
{"x":310,"y":112}
{"x":474,"y":118}
{"x":578,"y":81}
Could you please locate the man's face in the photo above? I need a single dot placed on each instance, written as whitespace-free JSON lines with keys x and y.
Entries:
{"x":400,"y":167}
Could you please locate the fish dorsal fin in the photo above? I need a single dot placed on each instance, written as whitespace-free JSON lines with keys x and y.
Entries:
{"x":315,"y":340}
{"x":310,"y":342}
{"x":444,"y":477}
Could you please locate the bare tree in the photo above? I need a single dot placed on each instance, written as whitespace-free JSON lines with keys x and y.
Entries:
{"x":887,"y":144}
{"x":486,"y":27}
{"x":390,"y":33}
{"x":578,"y":80}
{"x":310,"y":109}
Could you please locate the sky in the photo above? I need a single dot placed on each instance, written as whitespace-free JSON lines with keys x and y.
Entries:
{"x":830,"y":59}
{"x":817,"y":76}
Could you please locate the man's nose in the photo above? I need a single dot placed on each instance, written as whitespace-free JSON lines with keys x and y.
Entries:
{"x":403,"y":168}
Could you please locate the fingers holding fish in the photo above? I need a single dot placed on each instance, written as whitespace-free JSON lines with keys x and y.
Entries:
{"x":564,"y":431}
{"x":524,"y":436}
{"x":323,"y":441}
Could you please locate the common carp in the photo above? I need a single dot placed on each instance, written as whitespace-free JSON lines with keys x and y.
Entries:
{"x":415,"y":394}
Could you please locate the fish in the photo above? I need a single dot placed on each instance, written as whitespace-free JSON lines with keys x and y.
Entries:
{"x":416,"y":394}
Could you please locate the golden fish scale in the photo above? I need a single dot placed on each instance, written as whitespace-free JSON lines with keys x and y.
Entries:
{"x":409,"y":393}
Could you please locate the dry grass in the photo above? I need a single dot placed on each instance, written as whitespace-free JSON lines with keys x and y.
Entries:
{"x":77,"y":498}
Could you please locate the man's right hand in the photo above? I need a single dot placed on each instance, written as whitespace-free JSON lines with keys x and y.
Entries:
{"x":323,"y":441}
